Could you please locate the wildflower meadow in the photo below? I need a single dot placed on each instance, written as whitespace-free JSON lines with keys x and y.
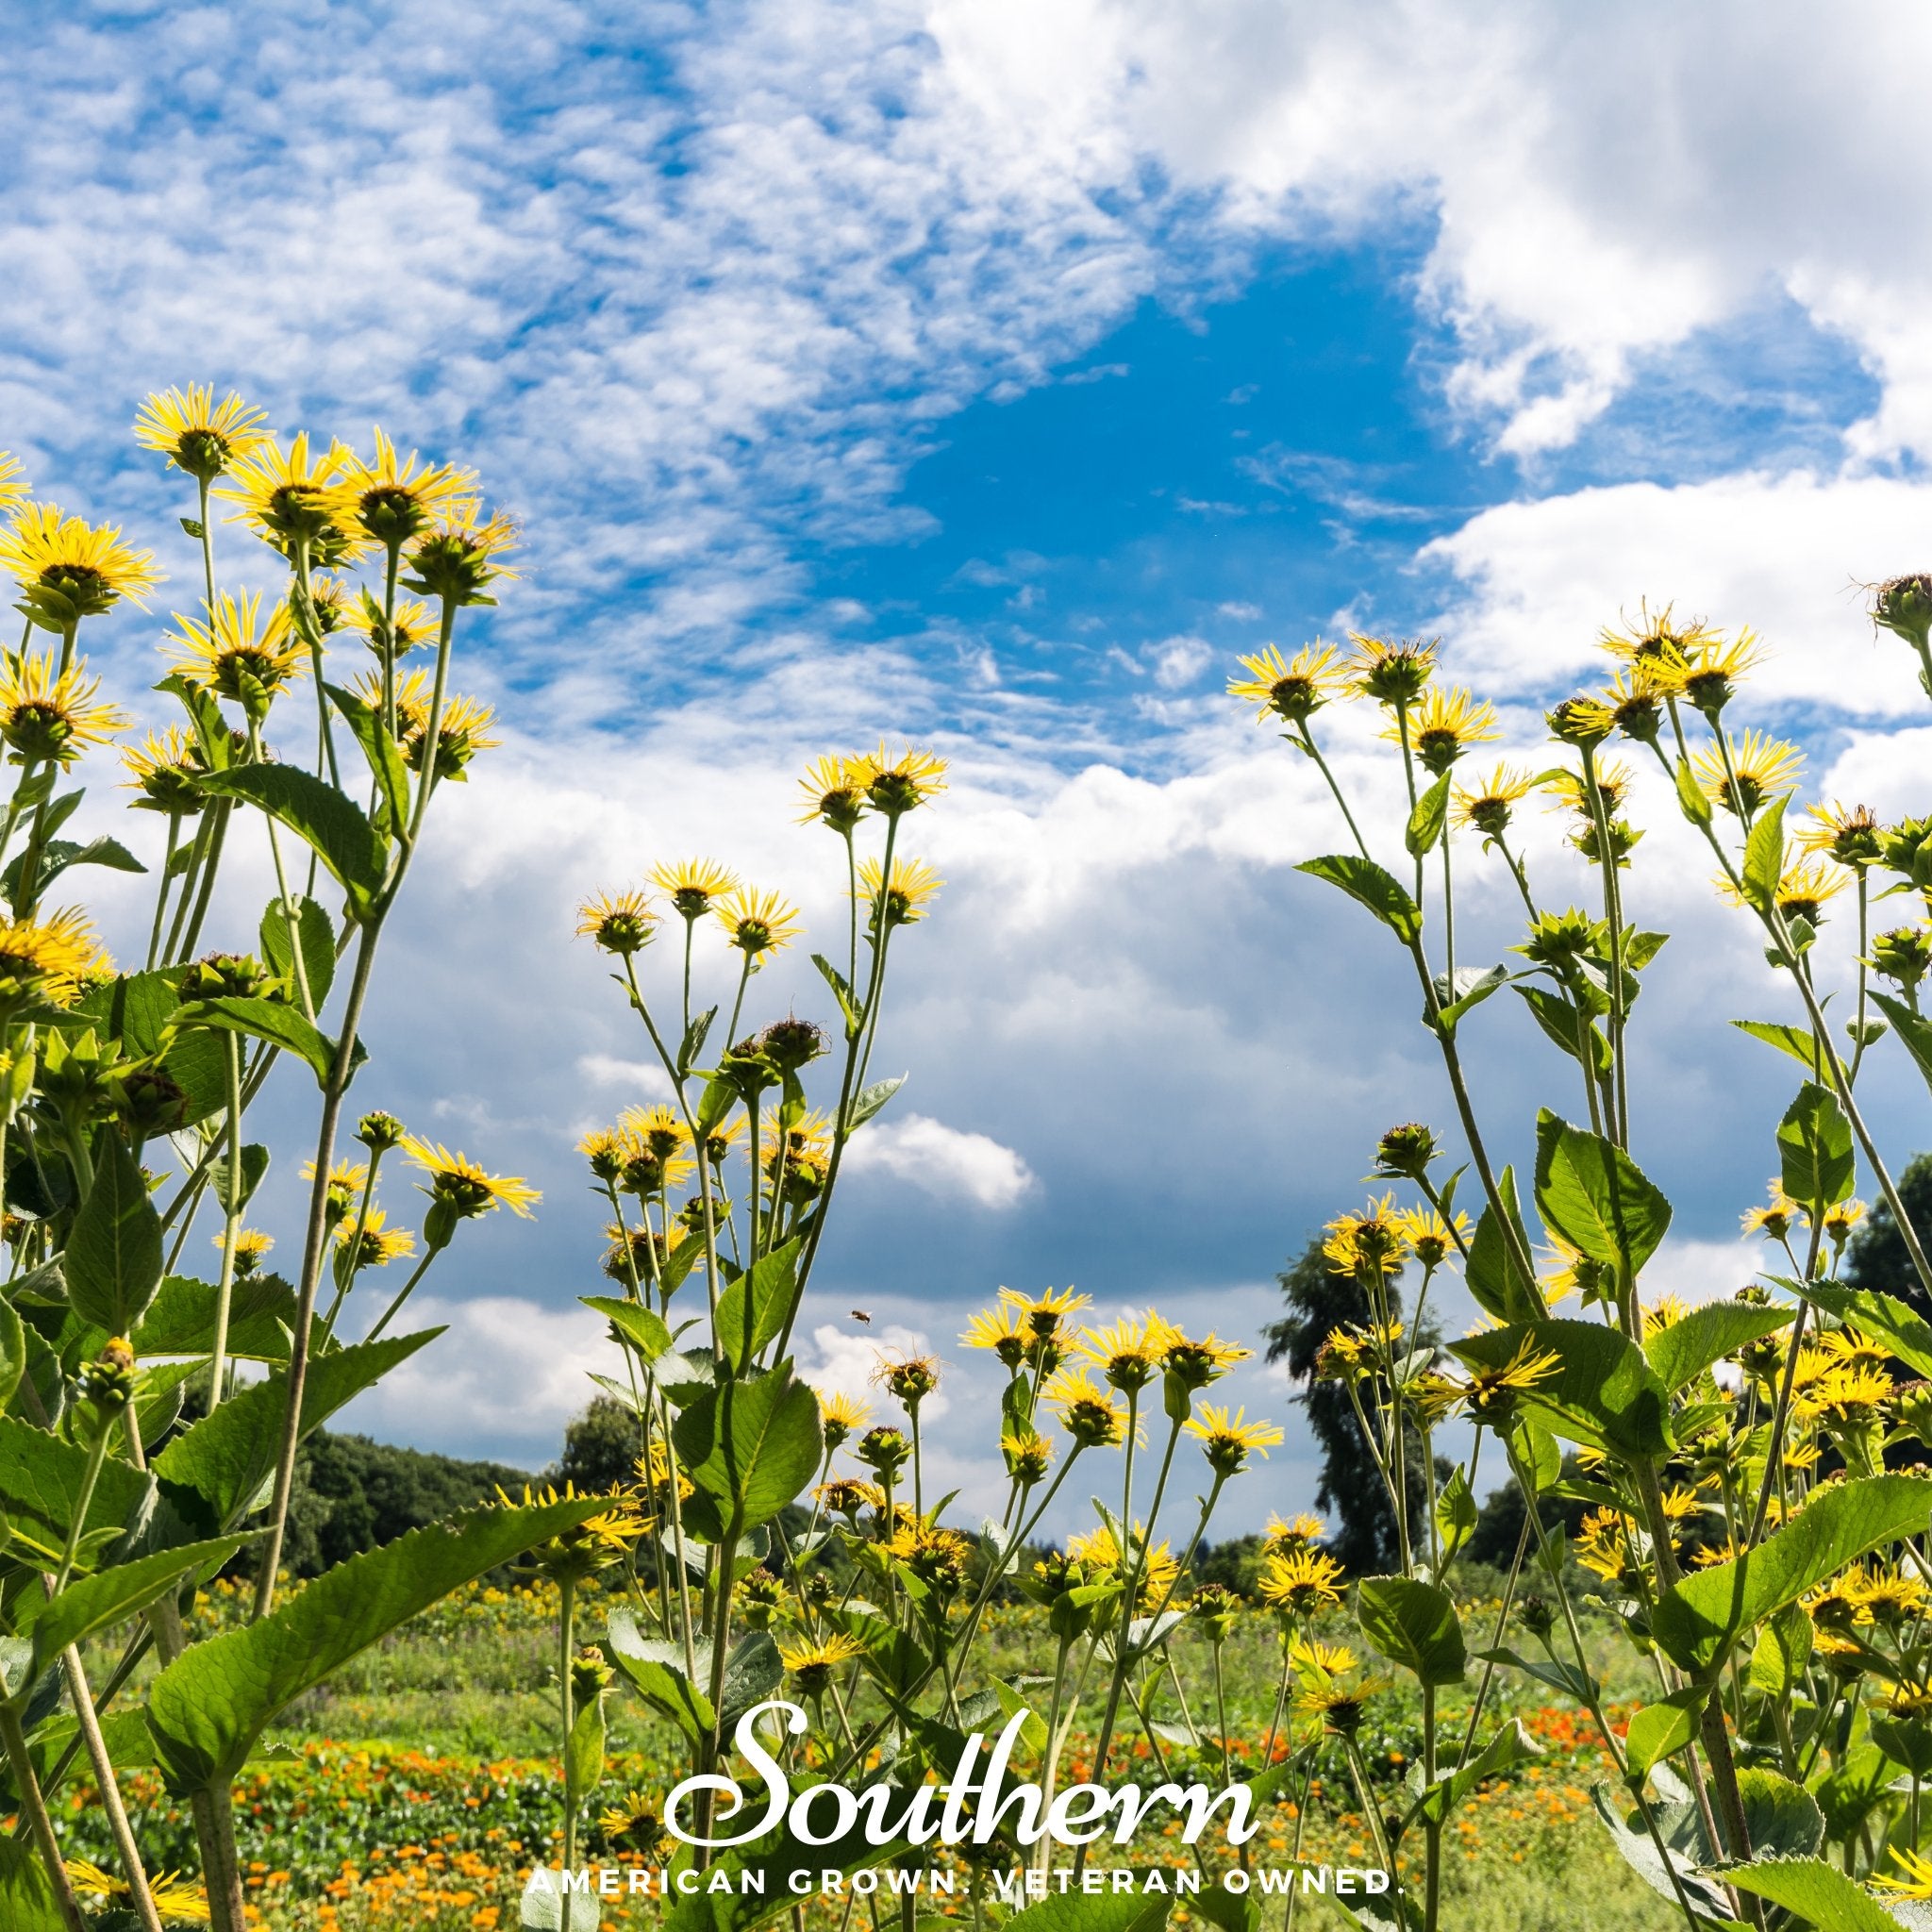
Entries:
{"x":770,"y":1673}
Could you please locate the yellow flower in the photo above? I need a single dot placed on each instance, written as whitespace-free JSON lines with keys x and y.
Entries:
{"x":1916,"y":1869}
{"x":1089,"y":1412}
{"x":896,"y":785}
{"x":620,"y":923}
{"x":692,"y":884}
{"x":1612,"y":778}
{"x":1195,"y":1365}
{"x":1656,"y":644}
{"x":1301,"y":1584}
{"x":14,"y":489}
{"x":1776,"y":1219}
{"x":1311,"y":1657}
{"x":236,"y":654}
{"x":1666,"y":1311}
{"x":813,"y":1662}
{"x":1393,"y":674}
{"x":459,"y":558}
{"x":1042,"y":1313}
{"x":462,"y":727}
{"x":913,"y":886}
{"x":1370,"y":1243}
{"x":164,"y":768}
{"x":411,"y":624}
{"x":634,"y":1824}
{"x":396,"y":501}
{"x":50,"y":956}
{"x":1492,"y":1391}
{"x":1445,"y":725}
{"x":1603,"y":1545}
{"x":287,"y":500}
{"x":1002,"y":1330}
{"x":1488,"y":804}
{"x":1430,"y":1237}
{"x":834,"y":790}
{"x":585,"y":1547}
{"x":178,"y":1900}
{"x":1229,"y":1441}
{"x":846,"y":1495}
{"x":1842,"y":1217}
{"x":1285,"y":1539}
{"x":1130,"y":1353}
{"x":251,"y":1247}
{"x":756,"y":923}
{"x":1292,"y":687}
{"x":87,"y":569}
{"x":198,"y":434}
{"x":840,"y":1417}
{"x":377,"y":1245}
{"x":49,"y":716}
{"x":1713,"y":669}
{"x":457,"y":1180}
{"x":1848,"y":833}
{"x":1805,"y":888}
{"x":1764,"y":766}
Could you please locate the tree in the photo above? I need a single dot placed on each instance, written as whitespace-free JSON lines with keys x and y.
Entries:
{"x":1318,"y":1302}
{"x":1877,"y":1259}
{"x":600,"y":1447}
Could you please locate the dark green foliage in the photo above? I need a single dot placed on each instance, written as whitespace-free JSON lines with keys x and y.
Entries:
{"x":1877,"y":1257}
{"x":1499,"y":1524}
{"x":1319,"y":1301}
{"x":1234,"y":1564}
{"x":601,"y":1447}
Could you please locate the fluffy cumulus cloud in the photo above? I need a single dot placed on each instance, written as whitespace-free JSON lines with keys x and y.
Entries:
{"x":694,"y":286}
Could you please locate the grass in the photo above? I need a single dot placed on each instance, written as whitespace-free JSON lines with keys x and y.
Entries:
{"x":421,"y":1784}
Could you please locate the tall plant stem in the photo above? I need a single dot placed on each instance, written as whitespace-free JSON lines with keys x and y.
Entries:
{"x":109,"y":1788}
{"x":20,"y":1759}
{"x":231,"y":1222}
{"x":566,"y":1618}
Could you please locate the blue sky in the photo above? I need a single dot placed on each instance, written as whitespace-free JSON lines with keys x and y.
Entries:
{"x":991,"y":375}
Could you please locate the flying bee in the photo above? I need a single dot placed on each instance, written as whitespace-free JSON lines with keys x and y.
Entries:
{"x":860,"y":1315}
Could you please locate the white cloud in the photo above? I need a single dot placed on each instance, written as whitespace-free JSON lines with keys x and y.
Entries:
{"x":1246,"y":613}
{"x":1701,"y":1271}
{"x":943,"y":1160}
{"x":644,"y":1080}
{"x":844,"y":1362}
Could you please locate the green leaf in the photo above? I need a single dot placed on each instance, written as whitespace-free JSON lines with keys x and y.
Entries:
{"x":1602,"y":1393}
{"x":644,"y":1330}
{"x":255,"y":1160}
{"x":752,"y":1445}
{"x":1814,"y":1144}
{"x":1781,"y":1819}
{"x":1558,"y":1675}
{"x":1471,"y":987}
{"x":1666,"y":1726}
{"x":1456,"y":1513}
{"x":12,"y":1353}
{"x":1558,"y":1019}
{"x":181,"y":1318}
{"x":94,"y":1603}
{"x":656,"y":1668}
{"x":41,"y":1479}
{"x":757,"y":1304}
{"x":1764,"y":855}
{"x":869,"y":1100}
{"x":752,"y":1673}
{"x":27,"y":1895}
{"x":1074,"y":1912}
{"x":1913,"y":1029}
{"x":1690,"y":796}
{"x":1819,"y":1894}
{"x":133,"y":1009}
{"x":1699,"y":1618}
{"x":113,"y":1262}
{"x":227,"y":1456}
{"x":694,"y":1042}
{"x":1850,"y":1791}
{"x":1425,"y":822}
{"x":318,"y":814}
{"x":269,"y":1019}
{"x":1414,"y":1625}
{"x":842,"y":992}
{"x":210,"y":1705}
{"x":1496,"y":1275}
{"x":1905,"y":1740}
{"x":1593,"y":1194}
{"x":1799,"y":1041}
{"x":385,"y":765}
{"x":1782,"y":1650}
{"x":318,"y":939}
{"x":1511,"y":1745}
{"x":891,"y":1654}
{"x":585,"y":1759}
{"x":1365,"y":882}
{"x":1902,"y":1328}
{"x":1682,"y":1351}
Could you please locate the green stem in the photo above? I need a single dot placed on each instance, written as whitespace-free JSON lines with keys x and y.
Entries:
{"x":231,"y":1222}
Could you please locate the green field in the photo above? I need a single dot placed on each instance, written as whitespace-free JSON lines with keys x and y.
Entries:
{"x":420,"y":1783}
